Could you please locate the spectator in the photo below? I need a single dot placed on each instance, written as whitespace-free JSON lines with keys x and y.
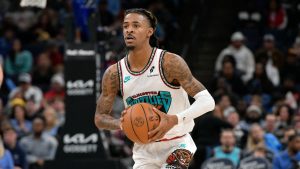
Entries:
{"x":210,"y":133}
{"x":59,"y":106}
{"x":290,"y":91}
{"x":270,"y":124}
{"x":284,"y":118}
{"x":57,"y":90}
{"x":18,"y":61}
{"x":241,"y":136}
{"x":260,"y":82}
{"x":206,"y":134}
{"x":259,"y":152}
{"x":227,"y":149}
{"x":257,"y":137}
{"x":39,"y":147}
{"x":23,"y":18}
{"x":291,"y":66}
{"x":12,"y":144}
{"x":18,"y":121}
{"x":290,"y":158}
{"x":277,"y":18}
{"x":27,"y":91}
{"x":296,"y":47}
{"x":242,"y":55}
{"x":45,"y":28}
{"x":231,"y":76}
{"x":55,"y":55}
{"x":271,"y":57}
{"x":106,"y":17}
{"x":6,"y":41}
{"x":224,"y":102}
{"x":2,"y":115}
{"x":32,"y":110}
{"x":253,"y":115}
{"x":42,"y":72}
{"x":6,"y":160}
{"x":52,"y":124}
{"x":289,"y":131}
{"x":251,"y":21}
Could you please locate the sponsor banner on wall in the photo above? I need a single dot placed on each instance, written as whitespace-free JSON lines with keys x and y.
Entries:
{"x":80,"y":139}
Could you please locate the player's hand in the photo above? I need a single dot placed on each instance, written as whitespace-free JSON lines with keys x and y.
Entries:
{"x":122,"y":118}
{"x":166,"y":123}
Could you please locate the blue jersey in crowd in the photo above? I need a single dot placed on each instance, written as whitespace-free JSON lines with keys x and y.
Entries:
{"x":285,"y":161}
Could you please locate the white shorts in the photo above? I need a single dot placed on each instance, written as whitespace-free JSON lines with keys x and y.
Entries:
{"x":172,"y":154}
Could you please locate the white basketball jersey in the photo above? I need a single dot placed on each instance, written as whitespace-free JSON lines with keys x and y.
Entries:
{"x":150,"y":86}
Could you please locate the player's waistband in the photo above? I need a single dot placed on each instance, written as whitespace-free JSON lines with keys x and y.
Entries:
{"x":166,"y":139}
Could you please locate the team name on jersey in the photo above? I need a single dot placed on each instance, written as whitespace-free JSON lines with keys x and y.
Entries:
{"x":160,"y":99}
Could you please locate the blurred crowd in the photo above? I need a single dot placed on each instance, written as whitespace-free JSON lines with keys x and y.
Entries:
{"x":32,"y":41}
{"x":257,"y":90}
{"x":256,"y":84}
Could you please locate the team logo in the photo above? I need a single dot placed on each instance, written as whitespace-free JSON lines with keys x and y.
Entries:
{"x":126,"y":79}
{"x":80,"y":87}
{"x":180,"y":158}
{"x":161,"y":100}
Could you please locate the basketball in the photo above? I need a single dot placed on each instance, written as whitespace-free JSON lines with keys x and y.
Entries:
{"x":138,"y":121}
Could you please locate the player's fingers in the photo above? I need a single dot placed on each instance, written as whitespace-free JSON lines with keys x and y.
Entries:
{"x":161,"y":135}
{"x":123,"y":112}
{"x":122,"y":119}
{"x":156,"y":136}
{"x":121,"y":126}
{"x":157,"y":111}
{"x":153,"y":132}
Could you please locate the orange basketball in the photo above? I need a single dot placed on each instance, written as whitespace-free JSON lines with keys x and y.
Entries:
{"x":138,"y":121}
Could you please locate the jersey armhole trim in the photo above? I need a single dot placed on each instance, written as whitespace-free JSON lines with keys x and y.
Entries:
{"x":120,"y":77}
{"x":161,"y":72}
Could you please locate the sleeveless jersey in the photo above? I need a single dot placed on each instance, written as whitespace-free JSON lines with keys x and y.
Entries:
{"x":150,"y":86}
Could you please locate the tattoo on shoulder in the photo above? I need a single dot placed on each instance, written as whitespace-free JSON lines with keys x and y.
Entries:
{"x":177,"y":71}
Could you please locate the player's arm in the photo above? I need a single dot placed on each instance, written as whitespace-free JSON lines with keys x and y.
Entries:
{"x":110,"y":86}
{"x":177,"y":72}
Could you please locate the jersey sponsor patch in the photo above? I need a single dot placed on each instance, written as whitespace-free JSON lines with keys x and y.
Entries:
{"x":160,"y":99}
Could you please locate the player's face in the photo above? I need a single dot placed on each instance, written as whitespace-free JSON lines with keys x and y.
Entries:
{"x":136,"y":30}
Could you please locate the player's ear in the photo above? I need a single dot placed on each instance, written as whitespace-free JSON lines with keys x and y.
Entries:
{"x":150,"y":32}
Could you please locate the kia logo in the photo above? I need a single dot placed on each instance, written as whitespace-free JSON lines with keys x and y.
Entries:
{"x":80,"y":84}
{"x":80,"y":138}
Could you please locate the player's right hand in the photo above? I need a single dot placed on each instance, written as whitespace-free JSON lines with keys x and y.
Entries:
{"x":122,"y":119}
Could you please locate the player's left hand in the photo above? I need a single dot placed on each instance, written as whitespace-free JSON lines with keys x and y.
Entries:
{"x":166,"y":123}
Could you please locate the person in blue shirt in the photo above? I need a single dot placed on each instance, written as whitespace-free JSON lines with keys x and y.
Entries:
{"x":11,"y":143}
{"x":227,"y":149}
{"x":6,"y":160}
{"x":290,"y":158}
{"x":257,"y":136}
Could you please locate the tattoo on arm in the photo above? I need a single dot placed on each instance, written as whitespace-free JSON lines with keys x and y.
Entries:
{"x":177,"y":71}
{"x":110,"y":87}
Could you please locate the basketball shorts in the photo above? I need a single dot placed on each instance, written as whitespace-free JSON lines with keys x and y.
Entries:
{"x":171,"y":154}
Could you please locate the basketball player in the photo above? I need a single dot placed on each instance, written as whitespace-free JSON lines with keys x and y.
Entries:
{"x":163,"y":79}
